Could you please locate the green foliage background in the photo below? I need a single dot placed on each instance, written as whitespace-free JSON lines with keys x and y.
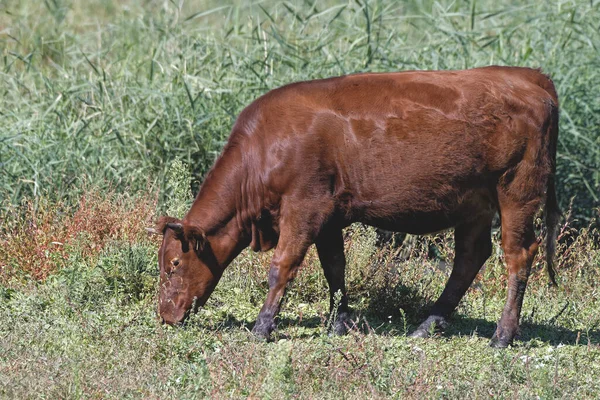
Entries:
{"x":112,"y":92}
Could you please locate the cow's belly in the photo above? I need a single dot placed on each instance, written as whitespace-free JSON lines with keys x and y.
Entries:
{"x":423,"y":215}
{"x":417,"y":224}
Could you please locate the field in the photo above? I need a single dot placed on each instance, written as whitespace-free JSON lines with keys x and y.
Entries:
{"x":111,"y":112}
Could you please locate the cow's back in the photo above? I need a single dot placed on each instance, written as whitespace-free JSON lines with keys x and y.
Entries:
{"x":395,"y":148}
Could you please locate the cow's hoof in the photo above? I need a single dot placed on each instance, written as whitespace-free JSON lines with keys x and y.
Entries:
{"x":503,"y":337}
{"x":419,"y":333}
{"x":433,"y":324}
{"x":262,"y":330}
{"x":341,"y":325}
{"x":499,"y":343}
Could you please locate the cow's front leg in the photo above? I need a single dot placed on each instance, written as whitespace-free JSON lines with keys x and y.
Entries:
{"x":284,"y":266}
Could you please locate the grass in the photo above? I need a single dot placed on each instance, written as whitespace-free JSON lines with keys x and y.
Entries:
{"x":111,"y":113}
{"x":88,"y":326}
{"x":90,"y":329}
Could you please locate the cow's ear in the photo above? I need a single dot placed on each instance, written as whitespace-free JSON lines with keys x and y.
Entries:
{"x":196,"y":237}
{"x":165,"y":223}
{"x":177,"y":227}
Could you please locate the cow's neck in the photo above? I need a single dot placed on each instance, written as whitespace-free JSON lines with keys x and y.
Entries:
{"x":215,"y":211}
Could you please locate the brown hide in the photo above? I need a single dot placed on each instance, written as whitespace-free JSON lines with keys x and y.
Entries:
{"x":405,"y":151}
{"x":417,"y":152}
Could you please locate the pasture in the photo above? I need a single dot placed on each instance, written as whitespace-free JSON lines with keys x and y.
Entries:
{"x":111,"y":113}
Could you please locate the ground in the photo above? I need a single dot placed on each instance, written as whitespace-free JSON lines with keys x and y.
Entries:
{"x":91,"y":330}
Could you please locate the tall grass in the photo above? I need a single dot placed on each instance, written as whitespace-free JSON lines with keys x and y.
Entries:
{"x":111,"y":93}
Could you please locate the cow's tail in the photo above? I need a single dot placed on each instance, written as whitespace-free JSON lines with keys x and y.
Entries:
{"x":551,"y":210}
{"x":552,"y":217}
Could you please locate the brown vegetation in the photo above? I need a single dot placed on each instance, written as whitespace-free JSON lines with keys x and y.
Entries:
{"x":36,"y":240}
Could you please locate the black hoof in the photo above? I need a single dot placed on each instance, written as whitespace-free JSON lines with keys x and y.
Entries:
{"x":500,"y":343}
{"x":419,"y":333}
{"x":263,"y":330}
{"x":433,"y":324}
{"x":341,"y":325}
{"x":503,"y":337}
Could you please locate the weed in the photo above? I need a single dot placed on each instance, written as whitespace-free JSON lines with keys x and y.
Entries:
{"x":37,"y":240}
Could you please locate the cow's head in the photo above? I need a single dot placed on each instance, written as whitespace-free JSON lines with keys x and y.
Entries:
{"x":189,"y":270}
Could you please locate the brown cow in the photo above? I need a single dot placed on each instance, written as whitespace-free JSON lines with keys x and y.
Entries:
{"x":417,"y":152}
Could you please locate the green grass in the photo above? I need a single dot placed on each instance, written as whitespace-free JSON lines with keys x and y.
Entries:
{"x":91,"y":330}
{"x":112,"y":111}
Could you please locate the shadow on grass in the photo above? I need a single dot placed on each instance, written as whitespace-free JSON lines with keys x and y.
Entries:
{"x":387,"y":302}
{"x":460,"y":325}
{"x":382,"y":316}
{"x":231,"y":322}
{"x":549,"y":334}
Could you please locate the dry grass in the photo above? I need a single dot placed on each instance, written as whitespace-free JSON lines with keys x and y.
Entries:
{"x":36,"y":239}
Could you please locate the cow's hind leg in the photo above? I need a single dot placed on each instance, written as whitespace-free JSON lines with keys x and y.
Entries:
{"x":520,"y":247}
{"x":330,"y":247}
{"x":473,"y":247}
